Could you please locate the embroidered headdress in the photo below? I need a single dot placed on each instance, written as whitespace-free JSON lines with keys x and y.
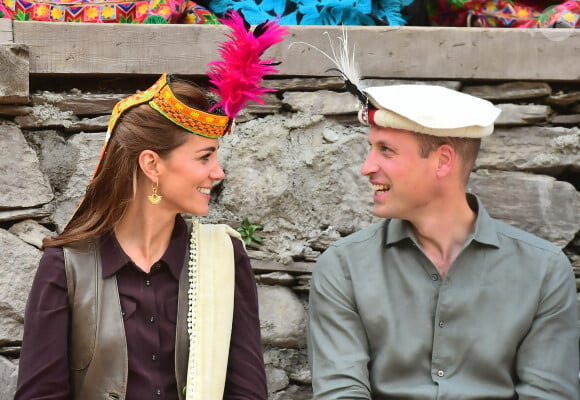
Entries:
{"x":236,"y":80}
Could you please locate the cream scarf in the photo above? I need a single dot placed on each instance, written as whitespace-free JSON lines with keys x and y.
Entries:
{"x":211,"y":306}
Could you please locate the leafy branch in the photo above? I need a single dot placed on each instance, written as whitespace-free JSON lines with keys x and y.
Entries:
{"x":248,"y":232}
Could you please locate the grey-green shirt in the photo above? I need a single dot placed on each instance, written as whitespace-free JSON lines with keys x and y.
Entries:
{"x":501,"y":325}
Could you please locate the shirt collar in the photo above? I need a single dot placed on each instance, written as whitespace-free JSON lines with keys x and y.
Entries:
{"x":113,"y":257}
{"x":484,"y":232}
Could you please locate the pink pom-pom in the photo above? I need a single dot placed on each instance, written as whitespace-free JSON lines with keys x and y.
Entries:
{"x":237,"y":77}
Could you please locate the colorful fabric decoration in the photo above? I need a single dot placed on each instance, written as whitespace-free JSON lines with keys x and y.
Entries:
{"x":505,"y":13}
{"x":318,"y":12}
{"x":237,"y":77}
{"x":108,"y":11}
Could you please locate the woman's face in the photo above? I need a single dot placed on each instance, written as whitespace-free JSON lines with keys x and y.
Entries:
{"x":187,"y":175}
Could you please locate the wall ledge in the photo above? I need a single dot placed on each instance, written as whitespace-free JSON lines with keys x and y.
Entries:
{"x":386,"y":52}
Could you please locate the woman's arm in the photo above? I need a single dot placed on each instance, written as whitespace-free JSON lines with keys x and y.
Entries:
{"x":43,"y":368}
{"x":246,"y":377}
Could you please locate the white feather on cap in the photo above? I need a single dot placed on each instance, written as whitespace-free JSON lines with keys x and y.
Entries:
{"x":431,"y":110}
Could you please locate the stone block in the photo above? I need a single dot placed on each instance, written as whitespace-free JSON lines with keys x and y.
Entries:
{"x":522,"y":114}
{"x":538,"y":204}
{"x":510,"y":91}
{"x":24,"y":184}
{"x":282,"y":317}
{"x":546,"y":150}
{"x":19,"y":261}
{"x":14,"y":68}
{"x":322,"y":102}
{"x":8,"y":378}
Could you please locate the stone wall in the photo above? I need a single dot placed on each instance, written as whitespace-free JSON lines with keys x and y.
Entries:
{"x":292,"y":166}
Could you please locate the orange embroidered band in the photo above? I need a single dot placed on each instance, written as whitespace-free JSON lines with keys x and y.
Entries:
{"x":161,"y":98}
{"x":196,"y":121}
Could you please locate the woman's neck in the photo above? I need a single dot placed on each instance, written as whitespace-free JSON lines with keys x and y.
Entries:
{"x":144,"y":234}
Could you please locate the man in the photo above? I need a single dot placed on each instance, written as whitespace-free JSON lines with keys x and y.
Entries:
{"x":439,"y":300}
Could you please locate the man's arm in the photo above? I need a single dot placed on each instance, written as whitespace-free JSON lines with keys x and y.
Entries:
{"x":547,"y":360}
{"x":337,"y":343}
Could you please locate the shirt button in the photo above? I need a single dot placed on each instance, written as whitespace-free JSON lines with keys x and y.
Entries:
{"x":435,"y":277}
{"x":441,"y":324}
{"x":440,"y":373}
{"x":152,"y":319}
{"x":148,"y":282}
{"x":154,"y":357}
{"x":122,"y":313}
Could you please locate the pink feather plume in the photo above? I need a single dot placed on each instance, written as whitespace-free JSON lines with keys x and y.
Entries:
{"x":237,"y":77}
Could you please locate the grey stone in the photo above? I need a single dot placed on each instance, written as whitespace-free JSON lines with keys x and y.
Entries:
{"x":306,"y":84}
{"x":8,"y":378}
{"x":19,"y":261}
{"x":325,"y":239}
{"x":282,"y":317}
{"x":23,"y":183}
{"x":272,"y":104}
{"x":455,"y":85}
{"x":510,"y":91}
{"x":276,"y":278}
{"x":330,"y":135}
{"x":322,"y":102}
{"x":15,"y":110}
{"x":294,"y":362}
{"x":14,"y":69}
{"x":79,"y":103}
{"x":87,"y":147}
{"x":547,"y":150}
{"x":57,"y":159}
{"x":563,"y":98}
{"x":293,"y":392}
{"x":276,"y":379}
{"x":30,"y":232}
{"x":519,"y":114}
{"x":568,"y":119}
{"x":46,"y":116}
{"x":303,"y":283}
{"x":23,"y":213}
{"x":538,"y":204}
{"x":97,"y":124}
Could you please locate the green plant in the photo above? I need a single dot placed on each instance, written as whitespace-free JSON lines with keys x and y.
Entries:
{"x":248,"y":232}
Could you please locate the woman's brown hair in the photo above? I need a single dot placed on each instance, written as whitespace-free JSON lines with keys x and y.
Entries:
{"x":108,"y":194}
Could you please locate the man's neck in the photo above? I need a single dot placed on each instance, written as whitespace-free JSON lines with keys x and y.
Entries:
{"x":442,"y":234}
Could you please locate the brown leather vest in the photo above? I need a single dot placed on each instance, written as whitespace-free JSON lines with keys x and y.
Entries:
{"x":98,"y":346}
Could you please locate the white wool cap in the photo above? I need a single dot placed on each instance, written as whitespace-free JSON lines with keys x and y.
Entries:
{"x":431,"y":110}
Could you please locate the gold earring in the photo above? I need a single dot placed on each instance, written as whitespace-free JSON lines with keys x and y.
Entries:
{"x":154,"y":198}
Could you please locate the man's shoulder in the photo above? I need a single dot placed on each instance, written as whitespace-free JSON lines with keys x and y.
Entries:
{"x":370,"y":234}
{"x":524,"y":239}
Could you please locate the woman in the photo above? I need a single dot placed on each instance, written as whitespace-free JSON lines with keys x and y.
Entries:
{"x":130,"y":301}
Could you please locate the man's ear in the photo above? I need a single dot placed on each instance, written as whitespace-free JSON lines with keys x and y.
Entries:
{"x":446,"y":160}
{"x":149,"y":162}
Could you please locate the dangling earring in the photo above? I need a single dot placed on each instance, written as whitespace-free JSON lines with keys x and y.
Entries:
{"x":154,"y":198}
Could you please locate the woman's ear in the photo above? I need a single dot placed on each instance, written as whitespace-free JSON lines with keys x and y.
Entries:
{"x":446,"y":160}
{"x":149,"y":162}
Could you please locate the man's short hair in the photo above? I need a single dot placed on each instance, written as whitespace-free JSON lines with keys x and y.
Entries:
{"x":466,"y":148}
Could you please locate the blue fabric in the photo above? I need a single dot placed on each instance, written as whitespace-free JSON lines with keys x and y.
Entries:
{"x":317,"y":12}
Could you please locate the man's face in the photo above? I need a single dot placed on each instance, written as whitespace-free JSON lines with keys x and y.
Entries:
{"x":403,"y":182}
